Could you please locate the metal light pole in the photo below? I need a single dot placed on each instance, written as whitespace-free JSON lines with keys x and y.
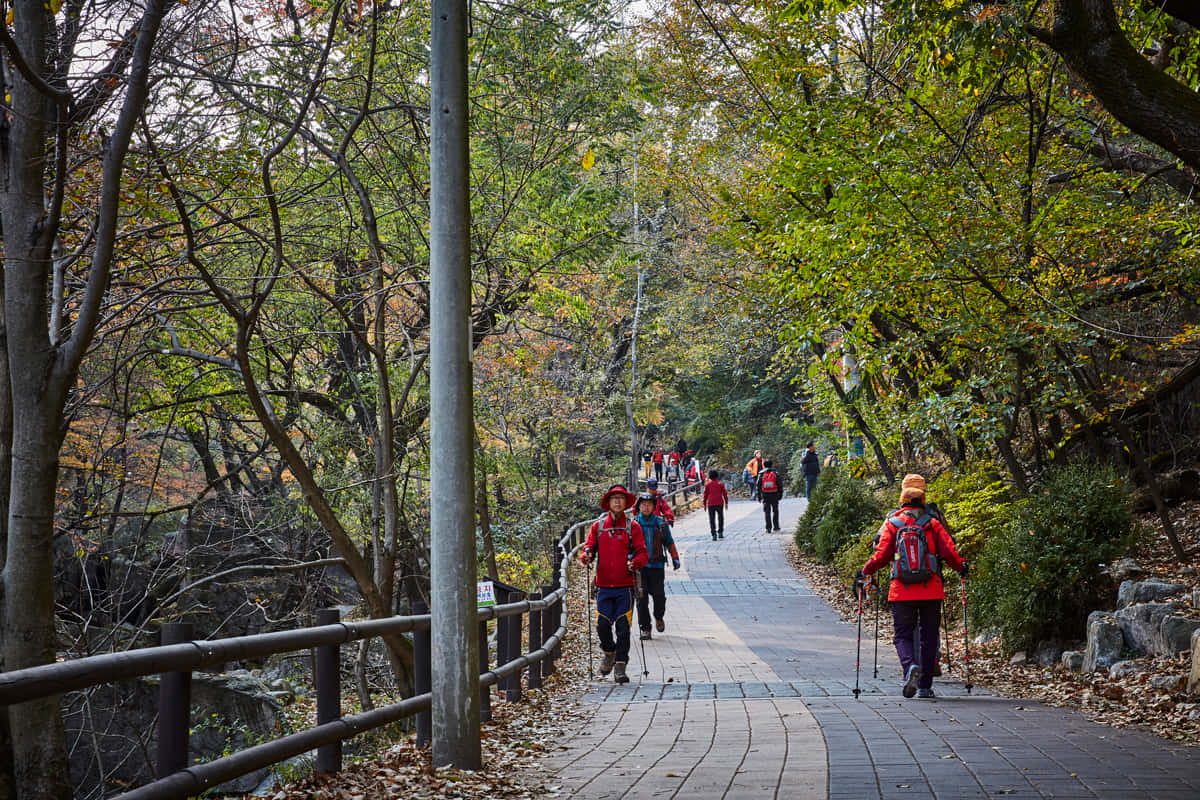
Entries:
{"x":452,"y":531}
{"x":635,"y":451}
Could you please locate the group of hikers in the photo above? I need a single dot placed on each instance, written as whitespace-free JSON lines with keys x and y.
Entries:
{"x":678,"y":465}
{"x":630,"y":553}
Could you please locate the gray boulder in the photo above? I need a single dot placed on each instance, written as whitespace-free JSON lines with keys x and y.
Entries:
{"x":1048,"y":653}
{"x":114,"y":732}
{"x":1072,"y":660}
{"x":1168,"y":683}
{"x":1142,"y":625}
{"x":1193,"y":683}
{"x":1124,"y":569}
{"x":1104,"y":642}
{"x":1131,"y":592}
{"x":1123,"y":668}
{"x":1176,"y":634}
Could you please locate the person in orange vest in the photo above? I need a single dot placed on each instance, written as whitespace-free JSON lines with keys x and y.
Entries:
{"x":618,"y":547}
{"x":753,"y":467}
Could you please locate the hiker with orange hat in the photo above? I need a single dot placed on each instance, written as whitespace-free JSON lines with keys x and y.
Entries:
{"x":915,"y":542}
{"x":617,"y":546}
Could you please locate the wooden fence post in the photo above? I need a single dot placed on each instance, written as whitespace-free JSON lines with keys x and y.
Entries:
{"x":485,"y":692}
{"x":535,"y":641}
{"x":328,"y":678}
{"x":174,"y":707}
{"x":423,"y":674}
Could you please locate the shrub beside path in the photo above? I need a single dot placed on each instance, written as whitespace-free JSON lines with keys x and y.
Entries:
{"x":749,"y":694}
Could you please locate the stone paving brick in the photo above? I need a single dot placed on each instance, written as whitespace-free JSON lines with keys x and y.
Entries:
{"x":750,"y":695}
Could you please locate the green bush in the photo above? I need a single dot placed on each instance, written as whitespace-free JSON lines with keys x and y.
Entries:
{"x":1040,"y":575}
{"x":841,"y":508}
{"x":853,"y":555}
{"x":975,"y":501}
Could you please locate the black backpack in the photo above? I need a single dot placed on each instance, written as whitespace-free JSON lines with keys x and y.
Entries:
{"x":913,"y":563}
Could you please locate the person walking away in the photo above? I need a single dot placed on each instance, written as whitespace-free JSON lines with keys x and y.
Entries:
{"x":915,"y":543}
{"x":754,"y":466}
{"x":647,"y":461}
{"x":657,"y":458}
{"x":811,"y":465}
{"x":770,"y":491}
{"x":618,"y":547}
{"x":716,"y":500}
{"x":658,"y":544}
{"x":694,"y":475}
{"x":661,"y":507}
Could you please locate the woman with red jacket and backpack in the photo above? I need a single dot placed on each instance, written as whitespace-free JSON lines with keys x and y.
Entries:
{"x":914,"y":542}
{"x":618,"y":547}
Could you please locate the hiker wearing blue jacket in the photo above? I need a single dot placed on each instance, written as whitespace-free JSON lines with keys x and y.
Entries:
{"x":658,"y":544}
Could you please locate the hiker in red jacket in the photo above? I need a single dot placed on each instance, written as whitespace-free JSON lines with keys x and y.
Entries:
{"x":617,"y":546}
{"x":914,"y":542}
{"x":716,"y":500}
{"x":661,"y":507}
{"x":657,"y":456}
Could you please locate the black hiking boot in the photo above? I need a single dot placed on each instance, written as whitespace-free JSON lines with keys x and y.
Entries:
{"x":645,"y":633}
{"x":606,"y":664}
{"x":619,"y":675}
{"x":660,"y":624}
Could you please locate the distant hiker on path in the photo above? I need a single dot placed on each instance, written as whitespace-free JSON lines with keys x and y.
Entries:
{"x":657,"y":457}
{"x":915,"y":543}
{"x":812,"y":468}
{"x":753,"y":467}
{"x":647,"y":462}
{"x":770,"y":491}
{"x":658,"y":544}
{"x":716,"y":500}
{"x":618,"y":547}
{"x":661,"y":506}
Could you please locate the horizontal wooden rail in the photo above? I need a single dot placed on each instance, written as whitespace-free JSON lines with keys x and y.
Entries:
{"x":49,"y":680}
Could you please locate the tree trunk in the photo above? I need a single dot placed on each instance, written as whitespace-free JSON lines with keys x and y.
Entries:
{"x":888,"y":474}
{"x":1088,"y":37}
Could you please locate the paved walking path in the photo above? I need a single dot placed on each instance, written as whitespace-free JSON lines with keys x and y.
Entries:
{"x":749,"y":694}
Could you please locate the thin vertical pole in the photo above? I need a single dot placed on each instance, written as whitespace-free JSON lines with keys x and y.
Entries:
{"x":452,"y":529}
{"x":174,"y":706}
{"x":328,"y":679}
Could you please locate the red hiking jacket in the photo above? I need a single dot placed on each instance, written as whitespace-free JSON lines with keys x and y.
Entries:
{"x":939,"y":542}
{"x":663,"y":508}
{"x":715,"y":494}
{"x":609,"y":542}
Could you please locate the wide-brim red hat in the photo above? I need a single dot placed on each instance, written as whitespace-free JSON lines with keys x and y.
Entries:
{"x":617,"y":489}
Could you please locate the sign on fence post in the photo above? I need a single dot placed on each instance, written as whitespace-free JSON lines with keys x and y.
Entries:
{"x":485,"y":594}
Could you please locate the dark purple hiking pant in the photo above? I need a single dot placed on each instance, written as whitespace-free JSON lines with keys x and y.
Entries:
{"x":925,"y":616}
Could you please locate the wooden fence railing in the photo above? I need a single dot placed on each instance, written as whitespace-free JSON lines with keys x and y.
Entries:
{"x":177,"y":656}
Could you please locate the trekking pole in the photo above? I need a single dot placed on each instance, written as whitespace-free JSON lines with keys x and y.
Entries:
{"x":966,"y":639}
{"x":946,"y":649}
{"x":858,"y":590}
{"x":645,"y":669}
{"x":588,"y":621}
{"x":875,"y":671}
